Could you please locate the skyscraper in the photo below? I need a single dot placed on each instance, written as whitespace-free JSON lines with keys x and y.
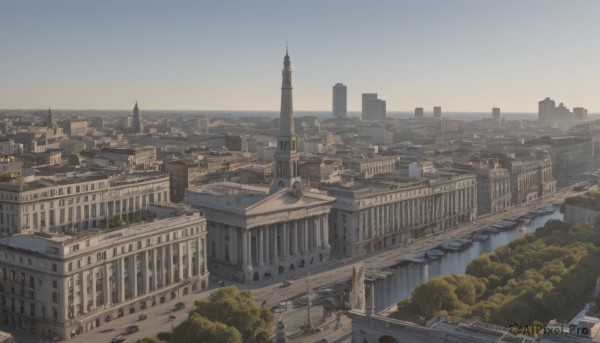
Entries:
{"x":550,"y":114}
{"x":418,"y":112}
{"x":340,"y":99}
{"x":437,"y":112}
{"x":285,"y":173}
{"x":372,"y":108}
{"x":49,"y":119}
{"x":137,"y":126}
{"x":580,"y":113}
{"x":496,"y":114}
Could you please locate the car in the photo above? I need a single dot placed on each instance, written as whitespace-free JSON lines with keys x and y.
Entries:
{"x":118,"y":340}
{"x":179,"y":305}
{"x":142,"y":317}
{"x":286,"y":284}
{"x":132,"y":329}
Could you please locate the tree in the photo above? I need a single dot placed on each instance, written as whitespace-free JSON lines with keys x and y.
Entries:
{"x":149,"y":340}
{"x":200,"y":329}
{"x":237,"y":309}
{"x":164,"y":336}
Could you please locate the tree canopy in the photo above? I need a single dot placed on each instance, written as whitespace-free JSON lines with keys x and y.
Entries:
{"x":533,"y":278}
{"x":228,"y":315}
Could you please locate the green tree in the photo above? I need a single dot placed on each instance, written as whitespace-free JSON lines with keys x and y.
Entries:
{"x":237,"y":309}
{"x":149,"y":340}
{"x":164,"y":336}
{"x":200,"y":329}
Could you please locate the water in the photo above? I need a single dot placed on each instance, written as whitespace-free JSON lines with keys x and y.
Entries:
{"x":390,"y":291}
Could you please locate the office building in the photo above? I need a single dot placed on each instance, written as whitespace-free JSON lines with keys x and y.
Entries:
{"x":549,"y":114}
{"x":136,"y":125}
{"x":580,"y":113}
{"x":437,"y":112}
{"x":419,"y":112}
{"x":340,"y":101}
{"x":372,"y":107}
{"x":59,"y":286}
{"x":496,"y":114}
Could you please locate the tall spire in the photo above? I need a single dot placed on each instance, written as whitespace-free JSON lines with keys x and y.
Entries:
{"x":136,"y":123}
{"x":285,"y":174}
{"x":49,"y":119}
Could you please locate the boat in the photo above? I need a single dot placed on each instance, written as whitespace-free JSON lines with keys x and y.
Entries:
{"x":456,"y":245}
{"x":490,"y":229}
{"x":480,"y":237}
{"x":419,"y":258}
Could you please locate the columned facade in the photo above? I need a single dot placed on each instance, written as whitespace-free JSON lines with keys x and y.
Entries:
{"x":70,"y":285}
{"x":370,"y":217}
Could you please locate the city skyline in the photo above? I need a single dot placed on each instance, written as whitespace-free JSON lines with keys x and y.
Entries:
{"x":464,"y":56}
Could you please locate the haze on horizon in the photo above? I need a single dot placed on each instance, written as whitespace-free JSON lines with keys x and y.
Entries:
{"x":464,"y":55}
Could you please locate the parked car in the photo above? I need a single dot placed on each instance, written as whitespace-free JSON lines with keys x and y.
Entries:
{"x":179,"y":305}
{"x":286,"y":284}
{"x":142,"y":316}
{"x":118,"y":340}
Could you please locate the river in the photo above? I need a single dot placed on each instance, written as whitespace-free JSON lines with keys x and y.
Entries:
{"x":390,"y":291}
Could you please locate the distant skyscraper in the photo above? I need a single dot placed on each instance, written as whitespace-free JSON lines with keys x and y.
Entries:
{"x":419,"y":112}
{"x":372,"y":108}
{"x":49,"y":119}
{"x":136,"y":125}
{"x":550,"y":114}
{"x":340,"y":96}
{"x":496,"y":114}
{"x":437,"y":112}
{"x":580,"y":113}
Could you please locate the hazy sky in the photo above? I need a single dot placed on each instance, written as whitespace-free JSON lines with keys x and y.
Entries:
{"x":228,"y":55}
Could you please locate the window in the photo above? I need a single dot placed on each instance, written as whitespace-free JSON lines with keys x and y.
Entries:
{"x":54,"y":267}
{"x":55,"y":297}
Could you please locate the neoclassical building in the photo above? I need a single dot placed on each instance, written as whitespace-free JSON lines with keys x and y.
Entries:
{"x":72,"y":202}
{"x":373,"y":215}
{"x":254,"y":232}
{"x":57,"y":285}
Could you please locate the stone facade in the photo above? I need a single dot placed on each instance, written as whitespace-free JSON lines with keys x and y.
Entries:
{"x":60,"y":286}
{"x":372,"y":216}
{"x":530,"y":177}
{"x":493,"y":190}
{"x":77,"y":202}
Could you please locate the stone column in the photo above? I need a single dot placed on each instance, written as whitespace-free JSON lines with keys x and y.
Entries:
{"x":295,"y":238}
{"x":245,"y":248}
{"x":188,"y":260}
{"x":180,"y":261}
{"x":84,"y":293}
{"x":250,"y":248}
{"x":316,"y":233}
{"x":260,"y":240}
{"x":326,"y":230}
{"x":285,"y":244}
{"x":267,"y":234}
{"x":93,"y":280}
{"x":145,"y":271}
{"x":133,"y":275}
{"x":231,"y":246}
{"x":305,"y":232}
{"x":121,"y":279}
{"x":106,"y":285}
{"x":154,"y":269}
{"x":275,"y":243}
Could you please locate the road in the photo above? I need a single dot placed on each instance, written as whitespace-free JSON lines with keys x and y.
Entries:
{"x":321,"y":275}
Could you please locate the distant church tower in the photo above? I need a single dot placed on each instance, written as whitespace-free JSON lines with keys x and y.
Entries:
{"x":49,"y":119}
{"x":137,"y":126}
{"x":285,"y":159}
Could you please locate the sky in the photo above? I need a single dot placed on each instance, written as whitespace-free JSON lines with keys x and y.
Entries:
{"x":227,"y":55}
